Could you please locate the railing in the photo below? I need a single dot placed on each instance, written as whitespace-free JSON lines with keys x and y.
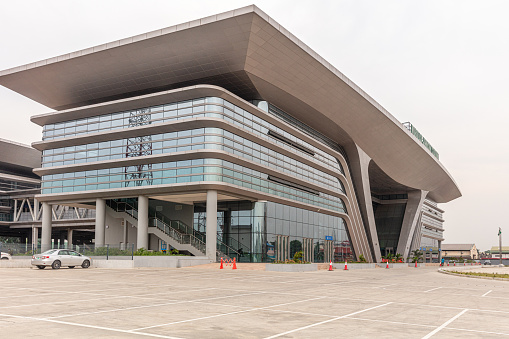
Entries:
{"x":419,"y":136}
{"x":120,"y":206}
{"x":225,"y":250}
{"x":176,"y":235}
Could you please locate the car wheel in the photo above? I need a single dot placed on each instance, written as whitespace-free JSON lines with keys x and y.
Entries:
{"x":71,"y":266}
{"x":86,"y":264}
{"x":5,"y":258}
{"x":56,"y":264}
{"x":41,"y":267}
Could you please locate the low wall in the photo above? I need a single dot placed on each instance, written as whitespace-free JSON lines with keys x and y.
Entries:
{"x":16,"y":263}
{"x":123,"y":262}
{"x":291,"y":267}
{"x":341,"y":266}
{"x":101,"y":263}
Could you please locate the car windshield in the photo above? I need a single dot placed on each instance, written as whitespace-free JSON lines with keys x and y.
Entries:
{"x":49,"y":252}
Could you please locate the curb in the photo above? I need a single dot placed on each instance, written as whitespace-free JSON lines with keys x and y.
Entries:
{"x":440,"y":270}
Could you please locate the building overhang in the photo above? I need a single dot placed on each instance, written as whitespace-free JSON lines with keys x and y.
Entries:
{"x":251,"y":55}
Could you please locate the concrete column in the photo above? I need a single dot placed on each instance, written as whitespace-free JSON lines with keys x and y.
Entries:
{"x":100,"y":222}
{"x":142,"y":241}
{"x":211,"y":224}
{"x":359,"y":166}
{"x":69,"y":238}
{"x":410,"y":221}
{"x":35,"y":237}
{"x":46,"y":227}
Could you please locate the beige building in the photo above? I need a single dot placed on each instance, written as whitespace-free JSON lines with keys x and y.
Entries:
{"x":465,"y":251}
{"x":228,"y":134}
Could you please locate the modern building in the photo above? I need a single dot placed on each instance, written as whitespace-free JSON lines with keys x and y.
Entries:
{"x":464,"y":251}
{"x":228,"y":135}
{"x":20,"y":212}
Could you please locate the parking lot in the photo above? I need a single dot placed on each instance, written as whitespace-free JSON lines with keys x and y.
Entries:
{"x":213,"y":303}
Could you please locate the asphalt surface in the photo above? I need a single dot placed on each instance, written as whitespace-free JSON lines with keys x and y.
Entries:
{"x":208,"y":303}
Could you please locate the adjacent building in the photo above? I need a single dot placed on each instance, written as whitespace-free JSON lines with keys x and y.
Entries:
{"x":460,"y":251}
{"x":229,"y":136}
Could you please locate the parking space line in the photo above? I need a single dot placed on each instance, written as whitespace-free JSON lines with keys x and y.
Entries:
{"x":224,"y":314}
{"x":439,"y":328}
{"x":433,"y":289}
{"x":485,"y":294}
{"x":327,"y":321}
{"x":148,"y":306}
{"x":476,"y":331}
{"x":88,"y":326}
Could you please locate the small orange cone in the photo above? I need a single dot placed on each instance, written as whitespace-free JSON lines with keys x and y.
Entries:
{"x":454,"y":264}
{"x":387,"y":265}
{"x":221,"y":267}
{"x":346,"y":266}
{"x":447,"y":263}
{"x":330,"y":266}
{"x":234,"y":265}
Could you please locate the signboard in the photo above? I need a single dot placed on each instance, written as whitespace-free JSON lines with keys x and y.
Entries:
{"x":328,"y":237}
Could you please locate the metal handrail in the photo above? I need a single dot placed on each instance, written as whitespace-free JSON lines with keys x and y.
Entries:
{"x":176,"y":235}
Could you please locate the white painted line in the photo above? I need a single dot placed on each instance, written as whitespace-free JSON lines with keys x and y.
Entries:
{"x":433,"y":289}
{"x":439,"y":328}
{"x":327,"y":321}
{"x":391,"y":322}
{"x":88,"y":326}
{"x":477,"y":331}
{"x":147,"y":306}
{"x":485,"y":294}
{"x":224,"y":314}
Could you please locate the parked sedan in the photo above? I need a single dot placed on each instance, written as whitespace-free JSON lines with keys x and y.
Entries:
{"x":5,"y":256}
{"x":59,"y":258}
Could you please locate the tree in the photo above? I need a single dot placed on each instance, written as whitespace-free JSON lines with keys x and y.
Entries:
{"x":416,"y":255}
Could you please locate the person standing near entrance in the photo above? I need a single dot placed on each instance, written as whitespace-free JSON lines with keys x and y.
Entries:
{"x":442,"y":262}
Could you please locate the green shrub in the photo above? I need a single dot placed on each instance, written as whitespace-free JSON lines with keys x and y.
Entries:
{"x":362,"y":259}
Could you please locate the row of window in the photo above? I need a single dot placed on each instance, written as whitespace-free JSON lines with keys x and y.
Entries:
{"x":202,"y":138}
{"x":203,"y":107}
{"x":179,"y":173}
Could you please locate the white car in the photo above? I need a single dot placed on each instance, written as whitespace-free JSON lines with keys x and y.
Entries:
{"x":58,"y":258}
{"x":5,"y":256}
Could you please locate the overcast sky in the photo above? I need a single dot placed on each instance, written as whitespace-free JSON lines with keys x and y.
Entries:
{"x":443,"y":65}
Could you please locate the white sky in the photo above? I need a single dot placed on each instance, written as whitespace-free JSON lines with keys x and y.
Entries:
{"x":443,"y":65}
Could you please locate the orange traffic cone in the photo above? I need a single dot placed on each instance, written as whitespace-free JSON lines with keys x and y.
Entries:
{"x":234,"y":265}
{"x":416,"y":264}
{"x":221,"y":267}
{"x":454,"y":264}
{"x":447,"y":263}
{"x":330,"y":266}
{"x":346,"y":266}
{"x":387,"y":266}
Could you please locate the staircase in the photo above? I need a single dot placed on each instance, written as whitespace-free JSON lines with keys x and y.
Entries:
{"x":174,"y":232}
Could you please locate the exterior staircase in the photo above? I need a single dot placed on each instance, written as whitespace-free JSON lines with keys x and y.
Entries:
{"x":174,"y":232}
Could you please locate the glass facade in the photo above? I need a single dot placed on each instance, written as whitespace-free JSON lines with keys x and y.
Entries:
{"x":252,"y":229}
{"x":196,"y":139}
{"x":203,"y":107}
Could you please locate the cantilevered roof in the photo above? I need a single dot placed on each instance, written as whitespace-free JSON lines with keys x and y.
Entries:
{"x":248,"y":53}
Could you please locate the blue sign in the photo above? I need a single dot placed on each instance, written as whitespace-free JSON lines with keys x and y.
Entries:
{"x":424,"y":248}
{"x":328,"y":237}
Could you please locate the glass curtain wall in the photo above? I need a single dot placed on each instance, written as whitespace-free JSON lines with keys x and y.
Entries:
{"x":254,"y":230}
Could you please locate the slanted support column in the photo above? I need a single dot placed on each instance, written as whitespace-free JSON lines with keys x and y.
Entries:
{"x":211,"y":224}
{"x":100,"y":222}
{"x":410,"y":221}
{"x":69,"y":238}
{"x":359,"y":164}
{"x":46,"y":227}
{"x":142,"y":241}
